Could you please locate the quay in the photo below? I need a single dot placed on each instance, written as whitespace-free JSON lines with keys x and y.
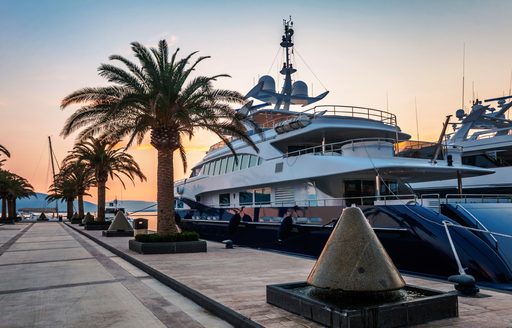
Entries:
{"x":59,"y":275}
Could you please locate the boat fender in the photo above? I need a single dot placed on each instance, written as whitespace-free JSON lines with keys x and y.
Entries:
{"x":234,"y":222}
{"x":285,"y":229}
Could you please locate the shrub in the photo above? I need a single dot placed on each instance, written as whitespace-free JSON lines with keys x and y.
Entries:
{"x":156,"y":238}
{"x":98,"y":223}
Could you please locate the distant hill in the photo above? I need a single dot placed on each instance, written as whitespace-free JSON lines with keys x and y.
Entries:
{"x":39,"y":201}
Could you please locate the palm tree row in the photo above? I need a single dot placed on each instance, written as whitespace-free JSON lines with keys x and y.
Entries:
{"x":12,"y":187}
{"x":91,"y":163}
{"x":156,"y":96}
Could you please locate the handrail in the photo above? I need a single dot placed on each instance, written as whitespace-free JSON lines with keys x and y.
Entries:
{"x":335,"y":110}
{"x":479,"y":223}
{"x":322,"y":202}
{"x":474,"y":197}
{"x":334,"y":147}
{"x":434,"y":196}
{"x":355,"y":111}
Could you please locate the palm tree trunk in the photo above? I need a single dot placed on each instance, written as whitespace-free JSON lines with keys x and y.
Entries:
{"x":10,"y":208}
{"x":81,"y":207}
{"x":14,"y":208}
{"x":101,"y":201}
{"x":69,"y":208}
{"x":165,"y":224}
{"x":4,"y":208}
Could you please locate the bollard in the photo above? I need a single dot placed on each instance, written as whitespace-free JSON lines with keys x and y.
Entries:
{"x":140,"y":227}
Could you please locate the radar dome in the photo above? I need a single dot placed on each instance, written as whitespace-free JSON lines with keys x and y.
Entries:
{"x":460,"y":114}
{"x":268,"y":83}
{"x":300,"y":89}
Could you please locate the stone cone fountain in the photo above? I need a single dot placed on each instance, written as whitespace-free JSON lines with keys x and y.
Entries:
{"x":354,"y":261}
{"x":88,"y":218}
{"x":120,"y":227}
{"x":354,"y":283}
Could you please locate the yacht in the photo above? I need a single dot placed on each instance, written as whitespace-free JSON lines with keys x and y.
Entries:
{"x":312,"y":162}
{"x":482,"y":137}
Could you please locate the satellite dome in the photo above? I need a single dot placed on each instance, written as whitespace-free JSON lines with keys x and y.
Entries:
{"x":460,"y":114}
{"x":268,"y":83}
{"x":300,"y":89}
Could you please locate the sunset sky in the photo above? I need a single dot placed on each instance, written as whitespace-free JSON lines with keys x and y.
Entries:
{"x":380,"y":54}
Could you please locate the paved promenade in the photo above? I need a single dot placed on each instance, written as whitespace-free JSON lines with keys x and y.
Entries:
{"x":54,"y":277}
{"x":237,"y":279}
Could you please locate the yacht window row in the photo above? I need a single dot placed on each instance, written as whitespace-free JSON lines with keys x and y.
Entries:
{"x":227,"y":164}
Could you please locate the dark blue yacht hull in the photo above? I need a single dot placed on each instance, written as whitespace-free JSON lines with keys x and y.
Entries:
{"x":413,"y":236}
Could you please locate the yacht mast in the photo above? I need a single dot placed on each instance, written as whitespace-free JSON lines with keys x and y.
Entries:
{"x":287,"y":69}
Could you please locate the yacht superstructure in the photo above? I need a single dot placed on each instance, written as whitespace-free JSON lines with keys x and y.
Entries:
{"x":327,"y":155}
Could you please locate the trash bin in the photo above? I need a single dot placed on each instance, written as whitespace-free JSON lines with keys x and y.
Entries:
{"x":140,"y":227}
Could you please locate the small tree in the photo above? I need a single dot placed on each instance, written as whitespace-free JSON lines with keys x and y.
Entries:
{"x":107,"y":161}
{"x":64,"y":188}
{"x":83,"y":176}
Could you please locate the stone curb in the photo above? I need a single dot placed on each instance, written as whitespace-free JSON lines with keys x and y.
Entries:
{"x":219,"y":310}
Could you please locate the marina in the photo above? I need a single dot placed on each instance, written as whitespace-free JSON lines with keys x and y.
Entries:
{"x":193,"y":181}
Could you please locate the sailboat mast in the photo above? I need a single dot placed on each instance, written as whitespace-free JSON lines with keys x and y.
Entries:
{"x":51,"y":157}
{"x":53,"y":170}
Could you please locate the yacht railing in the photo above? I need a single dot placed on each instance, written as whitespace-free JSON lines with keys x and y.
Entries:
{"x":478,"y":198}
{"x":356,"y":112}
{"x":432,"y":201}
{"x":325,"y":202}
{"x":334,"y":148}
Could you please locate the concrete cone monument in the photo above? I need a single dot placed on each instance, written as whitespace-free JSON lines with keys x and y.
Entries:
{"x":120,"y":223}
{"x":88,"y":218}
{"x":354,"y":261}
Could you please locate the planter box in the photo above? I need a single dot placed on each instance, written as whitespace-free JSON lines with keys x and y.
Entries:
{"x":118,"y":233}
{"x":431,"y":305}
{"x":96,"y":226}
{"x":165,"y":248}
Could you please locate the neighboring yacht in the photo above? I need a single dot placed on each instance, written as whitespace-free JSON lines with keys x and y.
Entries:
{"x":483,"y":138}
{"x":311,"y":163}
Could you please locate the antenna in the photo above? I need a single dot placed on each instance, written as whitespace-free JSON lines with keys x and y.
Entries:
{"x":473,"y":89}
{"x":510,"y":85}
{"x":417,"y":125}
{"x":463,"y":71}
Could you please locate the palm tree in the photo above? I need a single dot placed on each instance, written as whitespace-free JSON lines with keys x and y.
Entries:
{"x":5,"y":181}
{"x":158,"y":97}
{"x":83,"y":175}
{"x":4,"y":151}
{"x":64,"y":188}
{"x":106,"y":160}
{"x":12,"y":187}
